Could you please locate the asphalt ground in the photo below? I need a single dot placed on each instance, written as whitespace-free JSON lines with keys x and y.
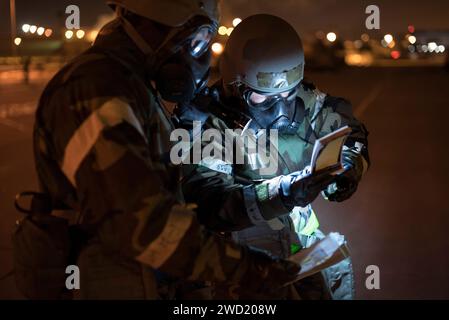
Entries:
{"x":399,"y":218}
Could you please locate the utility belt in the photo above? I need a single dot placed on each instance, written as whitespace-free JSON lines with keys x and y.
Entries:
{"x":45,"y":241}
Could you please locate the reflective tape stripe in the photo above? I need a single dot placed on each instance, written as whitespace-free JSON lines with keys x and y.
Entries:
{"x":110,"y":114}
{"x":311,"y":226}
{"x":165,"y":245}
{"x":250,"y":198}
{"x":217,"y":165}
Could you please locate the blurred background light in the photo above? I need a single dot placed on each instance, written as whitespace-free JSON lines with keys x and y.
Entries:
{"x":40,"y":31}
{"x":432,"y":46}
{"x":236,"y":22}
{"x":91,"y":36}
{"x":395,"y":54}
{"x":392,"y":44}
{"x":80,"y":34}
{"x":331,"y":36}
{"x":33,"y":29}
{"x":26,"y":28}
{"x":69,"y":34}
{"x":222,"y":31}
{"x":48,"y":33}
{"x":388,"y":38}
{"x":412,"y":39}
{"x":217,"y":48}
{"x":365,"y":37}
{"x":17,"y":41}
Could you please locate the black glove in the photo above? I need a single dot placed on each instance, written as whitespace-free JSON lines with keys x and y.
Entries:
{"x":267,"y":276}
{"x":347,"y":182}
{"x":301,"y":188}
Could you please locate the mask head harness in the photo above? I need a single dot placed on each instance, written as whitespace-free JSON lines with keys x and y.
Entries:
{"x":180,"y":65}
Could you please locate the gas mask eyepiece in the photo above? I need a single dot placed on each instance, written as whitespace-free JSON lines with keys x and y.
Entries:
{"x":186,"y":72}
{"x":276,"y":111}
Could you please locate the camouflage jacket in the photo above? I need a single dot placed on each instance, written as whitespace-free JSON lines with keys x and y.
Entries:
{"x":234,"y":197}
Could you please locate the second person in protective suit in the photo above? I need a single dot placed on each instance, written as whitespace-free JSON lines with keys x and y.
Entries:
{"x":262,"y":87}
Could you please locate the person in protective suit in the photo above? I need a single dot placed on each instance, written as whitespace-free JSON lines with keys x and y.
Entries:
{"x":262,"y":88}
{"x":101,"y":145}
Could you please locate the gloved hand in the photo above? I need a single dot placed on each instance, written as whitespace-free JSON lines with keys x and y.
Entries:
{"x":347,"y":182}
{"x":301,"y":188}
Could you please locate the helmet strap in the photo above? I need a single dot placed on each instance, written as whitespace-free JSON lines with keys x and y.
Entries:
{"x":157,"y":56}
{"x":134,"y":35}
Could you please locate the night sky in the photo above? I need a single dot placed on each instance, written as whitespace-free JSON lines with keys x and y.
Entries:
{"x":345,"y":17}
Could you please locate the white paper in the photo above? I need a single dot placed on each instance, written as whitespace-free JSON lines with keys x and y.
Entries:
{"x":321,"y":255}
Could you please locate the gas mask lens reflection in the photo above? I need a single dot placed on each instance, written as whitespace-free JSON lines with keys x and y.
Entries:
{"x":256,"y":99}
{"x":200,"y":42}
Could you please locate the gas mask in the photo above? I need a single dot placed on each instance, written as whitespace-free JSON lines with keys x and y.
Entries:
{"x":279,"y":111}
{"x":183,"y":76}
{"x":180,"y":66}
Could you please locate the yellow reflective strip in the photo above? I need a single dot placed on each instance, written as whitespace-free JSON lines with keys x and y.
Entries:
{"x":311,"y":226}
{"x":165,"y":245}
{"x":109,"y":114}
